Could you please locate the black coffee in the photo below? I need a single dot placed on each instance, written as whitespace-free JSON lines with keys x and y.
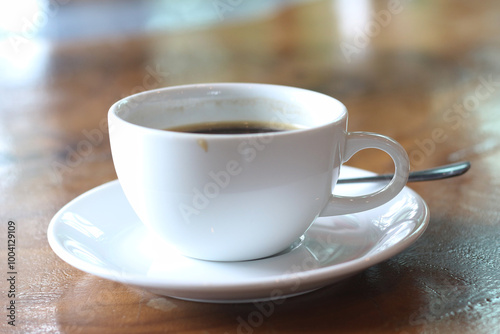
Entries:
{"x":231,"y":128}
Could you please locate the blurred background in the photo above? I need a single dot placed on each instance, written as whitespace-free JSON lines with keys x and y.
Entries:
{"x":418,"y":57}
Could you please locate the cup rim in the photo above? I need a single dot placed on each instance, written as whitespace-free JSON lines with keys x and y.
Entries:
{"x":142,"y":96}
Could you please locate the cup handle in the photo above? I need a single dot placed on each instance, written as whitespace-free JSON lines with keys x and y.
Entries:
{"x":356,"y":141}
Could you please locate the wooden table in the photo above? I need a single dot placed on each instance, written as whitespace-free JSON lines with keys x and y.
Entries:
{"x":426,"y":73}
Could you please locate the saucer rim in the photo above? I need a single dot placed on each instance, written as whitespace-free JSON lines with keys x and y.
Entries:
{"x":311,"y":278}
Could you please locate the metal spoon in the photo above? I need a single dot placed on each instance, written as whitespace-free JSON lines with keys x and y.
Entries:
{"x":437,"y":173}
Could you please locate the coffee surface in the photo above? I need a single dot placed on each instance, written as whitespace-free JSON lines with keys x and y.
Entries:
{"x":236,"y":127}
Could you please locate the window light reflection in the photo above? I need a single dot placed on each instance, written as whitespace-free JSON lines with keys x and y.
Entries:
{"x":352,"y":16}
{"x":21,"y":17}
{"x":22,"y":60}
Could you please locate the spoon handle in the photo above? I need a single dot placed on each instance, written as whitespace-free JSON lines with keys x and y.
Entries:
{"x":437,"y":173}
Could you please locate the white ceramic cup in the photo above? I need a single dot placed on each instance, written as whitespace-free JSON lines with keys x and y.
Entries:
{"x":245,"y":196}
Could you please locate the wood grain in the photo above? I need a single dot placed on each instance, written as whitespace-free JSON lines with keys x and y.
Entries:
{"x":427,"y":75}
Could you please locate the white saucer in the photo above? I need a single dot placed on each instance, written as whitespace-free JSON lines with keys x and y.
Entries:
{"x":99,"y":233}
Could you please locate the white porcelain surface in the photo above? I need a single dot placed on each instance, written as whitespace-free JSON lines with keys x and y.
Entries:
{"x":99,"y":233}
{"x":238,"y":197}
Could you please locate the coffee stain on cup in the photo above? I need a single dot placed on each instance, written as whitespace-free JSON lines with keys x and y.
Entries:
{"x":203,"y":144}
